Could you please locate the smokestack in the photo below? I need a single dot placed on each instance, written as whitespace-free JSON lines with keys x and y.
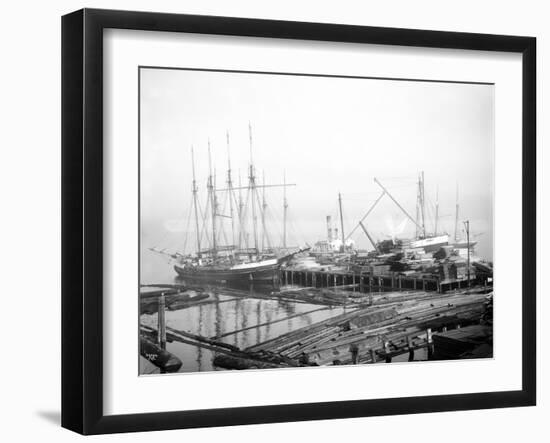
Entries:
{"x":329,"y":228}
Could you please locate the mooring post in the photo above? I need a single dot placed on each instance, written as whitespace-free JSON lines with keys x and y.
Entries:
{"x":372,"y":356}
{"x":292,"y":278}
{"x":387,"y":351}
{"x":251,"y":282}
{"x":276,"y":279}
{"x":334,"y":280}
{"x":423,"y":284}
{"x":354,"y":350}
{"x":430,"y":343}
{"x":354,"y":282}
{"x":161,"y":327}
{"x":411,"y":348}
{"x":399,"y":281}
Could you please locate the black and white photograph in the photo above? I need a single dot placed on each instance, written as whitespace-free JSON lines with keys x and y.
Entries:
{"x":275,"y":221}
{"x":292,"y":220}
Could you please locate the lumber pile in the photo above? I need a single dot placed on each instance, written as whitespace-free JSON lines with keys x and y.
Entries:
{"x":394,"y":324}
{"x":175,"y":299}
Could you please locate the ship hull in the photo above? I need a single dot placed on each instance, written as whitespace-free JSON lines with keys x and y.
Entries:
{"x":431,"y":244}
{"x":266,"y":274}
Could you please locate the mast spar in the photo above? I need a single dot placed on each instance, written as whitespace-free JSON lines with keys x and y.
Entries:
{"x":417,"y":218}
{"x":230,"y":190}
{"x":252,"y":189}
{"x":456,"y":214}
{"x":195,"y":204}
{"x":264,"y":208}
{"x":341,"y":222}
{"x":212,"y":197}
{"x":436,"y":210}
{"x":241,"y":205}
{"x":285,"y":209}
{"x":422,"y":203}
{"x":467,"y":226}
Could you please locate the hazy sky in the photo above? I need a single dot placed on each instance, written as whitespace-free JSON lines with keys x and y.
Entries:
{"x":328,"y":135}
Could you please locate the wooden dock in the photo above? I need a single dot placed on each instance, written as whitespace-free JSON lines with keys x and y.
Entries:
{"x":377,"y":328}
{"x":392,"y":327}
{"x":371,"y":282}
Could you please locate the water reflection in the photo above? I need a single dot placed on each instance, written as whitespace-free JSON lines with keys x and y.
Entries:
{"x":225,"y":312}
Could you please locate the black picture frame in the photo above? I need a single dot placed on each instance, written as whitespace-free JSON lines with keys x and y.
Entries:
{"x":82,"y":218}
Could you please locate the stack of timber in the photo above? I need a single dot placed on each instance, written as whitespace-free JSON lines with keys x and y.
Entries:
{"x":473,"y":341}
{"x":394,"y":324}
{"x":341,"y":296}
{"x":176,"y":298}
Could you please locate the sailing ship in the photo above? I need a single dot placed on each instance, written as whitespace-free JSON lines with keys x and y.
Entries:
{"x":240,"y":261}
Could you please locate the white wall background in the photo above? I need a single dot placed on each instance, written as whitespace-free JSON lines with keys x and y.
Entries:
{"x":30,"y":217}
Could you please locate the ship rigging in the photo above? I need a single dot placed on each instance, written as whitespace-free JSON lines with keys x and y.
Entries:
{"x":240,"y":258}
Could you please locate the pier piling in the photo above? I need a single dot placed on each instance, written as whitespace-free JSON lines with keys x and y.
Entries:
{"x":387,"y":351}
{"x":411,"y":348}
{"x":162,"y":322}
{"x":429,"y":340}
{"x":372,"y":355}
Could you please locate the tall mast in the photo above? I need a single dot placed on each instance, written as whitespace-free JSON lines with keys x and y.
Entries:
{"x":285,"y":209}
{"x":252,"y":188}
{"x":212,"y":196}
{"x":436,"y":210}
{"x":422,"y":204}
{"x":341,"y":221}
{"x":264,"y":207}
{"x":467,"y":226}
{"x":240,"y":213}
{"x":195,"y":204}
{"x":417,"y":218}
{"x":230,"y":191}
{"x":456,"y":214}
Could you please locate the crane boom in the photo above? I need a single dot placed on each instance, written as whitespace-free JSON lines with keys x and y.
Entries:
{"x":369,"y":237}
{"x":367,"y":214}
{"x":397,"y":203}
